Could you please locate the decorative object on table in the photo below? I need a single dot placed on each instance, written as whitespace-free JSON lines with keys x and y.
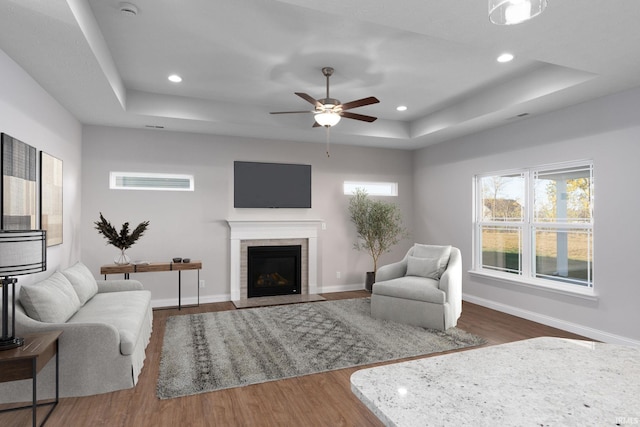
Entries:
{"x":213,"y":351}
{"x":19,"y":191}
{"x":21,"y":252}
{"x":177,"y":260}
{"x":378,"y":225}
{"x":122,"y":240}
{"x":186,"y":260}
{"x":51,"y":198}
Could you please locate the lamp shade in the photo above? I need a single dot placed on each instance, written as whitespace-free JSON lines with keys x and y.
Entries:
{"x":510,"y":12}
{"x":22,"y":252}
{"x":327,"y":118}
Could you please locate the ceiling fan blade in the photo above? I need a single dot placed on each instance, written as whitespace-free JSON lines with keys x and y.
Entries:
{"x":360,"y":103}
{"x":309,"y":99}
{"x":290,"y":112}
{"x":355,"y":116}
{"x":315,"y":125}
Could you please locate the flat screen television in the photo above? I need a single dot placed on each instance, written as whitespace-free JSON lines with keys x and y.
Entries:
{"x":271,"y":185}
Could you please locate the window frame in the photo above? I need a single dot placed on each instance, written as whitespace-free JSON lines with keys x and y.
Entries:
{"x":529,"y":225}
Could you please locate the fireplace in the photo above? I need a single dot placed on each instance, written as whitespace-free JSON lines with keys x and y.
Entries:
{"x":274,"y":270}
{"x":247,"y":233}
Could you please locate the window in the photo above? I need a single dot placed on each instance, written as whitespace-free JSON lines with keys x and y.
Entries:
{"x":372,"y":188}
{"x":150,"y":181}
{"x":536,"y":225}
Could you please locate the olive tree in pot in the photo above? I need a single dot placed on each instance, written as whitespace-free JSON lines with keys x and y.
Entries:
{"x":378,"y":225}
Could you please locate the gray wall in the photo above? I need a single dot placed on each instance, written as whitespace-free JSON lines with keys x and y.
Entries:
{"x":606,"y":130}
{"x":30,"y":114}
{"x":193,"y":224}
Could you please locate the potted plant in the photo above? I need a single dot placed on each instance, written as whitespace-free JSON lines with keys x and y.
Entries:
{"x":122,"y":240}
{"x":378,"y":225}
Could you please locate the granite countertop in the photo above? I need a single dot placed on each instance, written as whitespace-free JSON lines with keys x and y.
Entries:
{"x":537,"y":382}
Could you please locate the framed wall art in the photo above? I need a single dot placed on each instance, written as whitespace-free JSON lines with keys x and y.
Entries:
{"x":19,"y":190}
{"x":51,"y":198}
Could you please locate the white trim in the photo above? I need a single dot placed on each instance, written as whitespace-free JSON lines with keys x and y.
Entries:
{"x":543,"y":285}
{"x":575,"y":328}
{"x":343,"y":288}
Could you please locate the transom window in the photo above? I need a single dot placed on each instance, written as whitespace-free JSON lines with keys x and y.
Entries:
{"x":150,"y":181}
{"x":536,"y":225}
{"x":372,"y":188}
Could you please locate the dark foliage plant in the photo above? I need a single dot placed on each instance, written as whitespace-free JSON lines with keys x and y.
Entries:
{"x":123,"y":239}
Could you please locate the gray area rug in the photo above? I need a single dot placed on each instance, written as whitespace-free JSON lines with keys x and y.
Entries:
{"x":213,"y":351}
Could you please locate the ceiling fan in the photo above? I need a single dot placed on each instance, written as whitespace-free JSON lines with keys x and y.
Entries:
{"x":328,"y":111}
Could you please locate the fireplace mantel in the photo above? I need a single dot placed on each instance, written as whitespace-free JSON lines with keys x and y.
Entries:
{"x":272,"y":230}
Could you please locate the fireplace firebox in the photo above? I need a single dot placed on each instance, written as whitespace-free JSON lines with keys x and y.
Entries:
{"x":274,"y":270}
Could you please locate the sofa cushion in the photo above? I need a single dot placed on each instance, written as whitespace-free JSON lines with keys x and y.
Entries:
{"x":442,"y":253}
{"x":82,"y":281}
{"x":423,"y":267}
{"x":123,"y":310}
{"x":52,"y":300}
{"x":411,"y":287}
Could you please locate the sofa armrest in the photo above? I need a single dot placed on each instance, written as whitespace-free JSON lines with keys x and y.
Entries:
{"x":391,"y":271}
{"x":99,"y":337}
{"x":118,"y":285}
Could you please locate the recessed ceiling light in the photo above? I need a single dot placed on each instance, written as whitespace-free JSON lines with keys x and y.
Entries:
{"x":401,"y":108}
{"x":505,"y":57}
{"x":175,"y":78}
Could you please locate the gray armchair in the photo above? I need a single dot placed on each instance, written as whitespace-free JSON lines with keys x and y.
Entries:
{"x":424,"y":289}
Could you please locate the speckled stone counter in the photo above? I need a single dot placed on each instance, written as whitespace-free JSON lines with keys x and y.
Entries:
{"x":537,"y":382}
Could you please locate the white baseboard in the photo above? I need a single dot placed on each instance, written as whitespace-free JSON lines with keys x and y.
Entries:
{"x":173,"y":302}
{"x":575,"y":328}
{"x":341,"y":288}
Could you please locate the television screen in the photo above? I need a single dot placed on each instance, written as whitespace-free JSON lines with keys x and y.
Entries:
{"x":271,"y":185}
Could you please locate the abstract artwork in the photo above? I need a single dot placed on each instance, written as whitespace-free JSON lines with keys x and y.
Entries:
{"x":51,"y":198}
{"x":19,"y":190}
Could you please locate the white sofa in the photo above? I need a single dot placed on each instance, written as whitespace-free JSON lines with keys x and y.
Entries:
{"x":423,"y":289}
{"x":106,"y":327}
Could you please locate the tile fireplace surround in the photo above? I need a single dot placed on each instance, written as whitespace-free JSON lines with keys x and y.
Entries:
{"x":272,"y":233}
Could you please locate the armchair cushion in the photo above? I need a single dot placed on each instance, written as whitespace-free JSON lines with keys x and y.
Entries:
{"x":412,"y":288}
{"x":82,"y":281}
{"x":441,"y":253}
{"x":52,"y":300}
{"x":423,"y":267}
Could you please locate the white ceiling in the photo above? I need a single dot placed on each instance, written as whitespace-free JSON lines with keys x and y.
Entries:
{"x":241,"y":59}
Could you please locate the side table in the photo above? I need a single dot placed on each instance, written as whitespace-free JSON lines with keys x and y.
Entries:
{"x":154,"y":267}
{"x":25,"y":362}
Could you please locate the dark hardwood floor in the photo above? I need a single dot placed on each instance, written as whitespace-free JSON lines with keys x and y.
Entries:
{"x":323,"y":399}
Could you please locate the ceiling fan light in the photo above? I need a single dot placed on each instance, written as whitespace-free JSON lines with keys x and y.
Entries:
{"x":510,"y":12}
{"x":327,"y":118}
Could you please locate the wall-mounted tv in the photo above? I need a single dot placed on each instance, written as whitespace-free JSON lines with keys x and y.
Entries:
{"x":271,"y":185}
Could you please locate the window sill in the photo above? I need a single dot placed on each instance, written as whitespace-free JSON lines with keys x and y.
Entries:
{"x":587,"y":294}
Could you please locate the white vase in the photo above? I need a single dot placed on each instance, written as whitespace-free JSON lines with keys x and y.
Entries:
{"x":122,"y":259}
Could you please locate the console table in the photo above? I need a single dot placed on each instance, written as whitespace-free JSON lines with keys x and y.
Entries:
{"x":156,"y":266}
{"x":24,"y":362}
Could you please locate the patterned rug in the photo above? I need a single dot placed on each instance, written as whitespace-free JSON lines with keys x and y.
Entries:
{"x":213,"y":351}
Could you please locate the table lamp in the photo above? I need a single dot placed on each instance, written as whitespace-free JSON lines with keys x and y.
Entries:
{"x":21,"y":252}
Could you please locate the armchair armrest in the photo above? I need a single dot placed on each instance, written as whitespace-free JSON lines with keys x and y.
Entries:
{"x":451,"y":281}
{"x":118,"y":285}
{"x":391,"y":271}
